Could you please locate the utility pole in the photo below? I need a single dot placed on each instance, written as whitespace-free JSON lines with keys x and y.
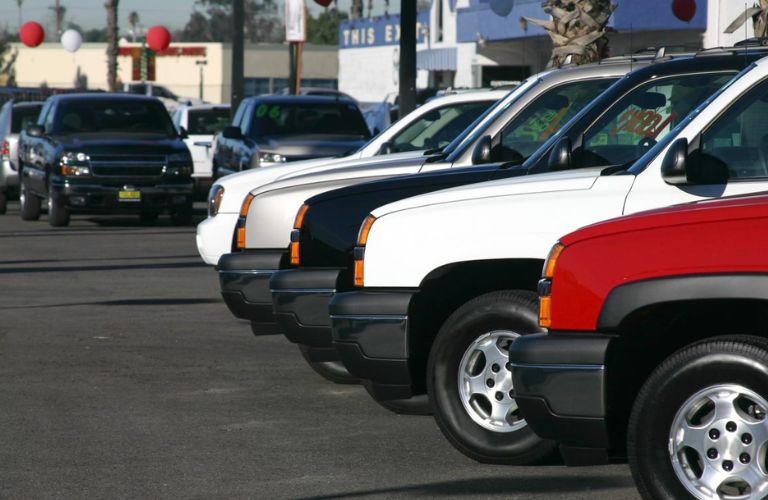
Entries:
{"x":407,"y":80}
{"x":201,"y":64}
{"x":58,"y":10}
{"x":238,"y":53}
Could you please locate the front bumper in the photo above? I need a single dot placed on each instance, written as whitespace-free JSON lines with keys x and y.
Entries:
{"x":370,"y":334}
{"x":559,"y":381}
{"x":244,"y":279}
{"x":96,"y":198}
{"x":300,"y":299}
{"x":215,"y":236}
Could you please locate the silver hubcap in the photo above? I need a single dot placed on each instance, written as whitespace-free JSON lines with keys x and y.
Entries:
{"x":485,"y":383}
{"x":718,"y":443}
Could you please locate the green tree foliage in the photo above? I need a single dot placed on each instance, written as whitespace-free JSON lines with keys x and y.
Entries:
{"x":211,"y":21}
{"x":324,"y":29}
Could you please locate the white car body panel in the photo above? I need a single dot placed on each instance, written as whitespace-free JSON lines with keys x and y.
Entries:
{"x":521,"y":218}
{"x":237,"y":186}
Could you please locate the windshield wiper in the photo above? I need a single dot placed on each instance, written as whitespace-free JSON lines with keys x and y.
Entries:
{"x":433,"y":151}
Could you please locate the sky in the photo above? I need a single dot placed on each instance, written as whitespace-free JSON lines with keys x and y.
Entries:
{"x":90,"y":13}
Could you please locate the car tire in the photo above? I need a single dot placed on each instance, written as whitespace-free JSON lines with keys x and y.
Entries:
{"x":333,"y":371}
{"x":3,"y":202}
{"x":709,"y":395}
{"x":182,"y":216}
{"x":58,"y":215}
{"x":148,"y":217}
{"x":29,"y":203}
{"x":482,"y":420}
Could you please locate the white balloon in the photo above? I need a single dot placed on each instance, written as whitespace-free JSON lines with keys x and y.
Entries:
{"x":502,"y":7}
{"x":71,"y":40}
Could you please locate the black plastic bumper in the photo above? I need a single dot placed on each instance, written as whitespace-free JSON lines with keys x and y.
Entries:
{"x":300,"y":298}
{"x":96,"y":198}
{"x":559,"y":381}
{"x":370,"y":333}
{"x":244,"y":279}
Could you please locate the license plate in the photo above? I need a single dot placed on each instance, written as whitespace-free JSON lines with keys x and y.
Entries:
{"x":129,"y":196}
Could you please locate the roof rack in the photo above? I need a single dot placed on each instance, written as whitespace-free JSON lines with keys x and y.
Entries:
{"x":750,"y":44}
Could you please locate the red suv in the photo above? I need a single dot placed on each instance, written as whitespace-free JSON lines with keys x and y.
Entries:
{"x":657,"y":349}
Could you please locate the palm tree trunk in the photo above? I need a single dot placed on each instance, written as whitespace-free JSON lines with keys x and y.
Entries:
{"x":112,"y":44}
{"x":577,"y":29}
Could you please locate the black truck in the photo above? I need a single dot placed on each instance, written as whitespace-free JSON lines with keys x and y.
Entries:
{"x":102,"y":154}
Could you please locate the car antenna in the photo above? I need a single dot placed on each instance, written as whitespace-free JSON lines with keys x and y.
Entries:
{"x":745,"y":33}
{"x":631,"y":49}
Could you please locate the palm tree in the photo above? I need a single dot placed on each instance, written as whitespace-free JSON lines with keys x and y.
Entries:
{"x":759,"y":15}
{"x":356,"y":9}
{"x":18,"y":3}
{"x":133,"y":20}
{"x":577,"y":29}
{"x":112,"y":44}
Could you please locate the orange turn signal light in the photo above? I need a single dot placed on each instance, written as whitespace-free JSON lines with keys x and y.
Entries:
{"x":362,"y":236}
{"x":299,"y":221}
{"x":554,"y":254}
{"x":359,"y":272}
{"x":240,"y":238}
{"x":545,"y":312}
{"x":246,"y":205}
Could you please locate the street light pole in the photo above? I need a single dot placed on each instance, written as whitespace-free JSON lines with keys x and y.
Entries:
{"x":201,"y":64}
{"x":238,"y":53}
{"x":407,"y":99}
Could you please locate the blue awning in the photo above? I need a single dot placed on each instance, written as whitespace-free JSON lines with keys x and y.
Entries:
{"x":442,"y":59}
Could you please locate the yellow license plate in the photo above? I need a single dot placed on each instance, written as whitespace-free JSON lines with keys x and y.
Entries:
{"x":129,"y":196}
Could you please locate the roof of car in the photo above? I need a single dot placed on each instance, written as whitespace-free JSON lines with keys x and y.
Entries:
{"x":105,"y":96}
{"x":304,"y":99}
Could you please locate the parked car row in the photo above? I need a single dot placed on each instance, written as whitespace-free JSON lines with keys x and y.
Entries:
{"x":121,"y":153}
{"x":420,"y":275}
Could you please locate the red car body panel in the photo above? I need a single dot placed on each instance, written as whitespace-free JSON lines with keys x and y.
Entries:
{"x":723,"y":236}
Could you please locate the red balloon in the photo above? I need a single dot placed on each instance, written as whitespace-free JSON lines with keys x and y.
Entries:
{"x":31,"y":34}
{"x":324,"y":3}
{"x":158,"y":38}
{"x":684,"y":9}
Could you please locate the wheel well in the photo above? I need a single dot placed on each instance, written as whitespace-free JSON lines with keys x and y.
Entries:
{"x":445,"y":289}
{"x":649,"y":335}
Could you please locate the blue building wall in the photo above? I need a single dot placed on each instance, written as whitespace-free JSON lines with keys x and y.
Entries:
{"x":639,"y":15}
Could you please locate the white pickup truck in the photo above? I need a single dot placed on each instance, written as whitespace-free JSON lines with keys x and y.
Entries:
{"x":448,"y":279}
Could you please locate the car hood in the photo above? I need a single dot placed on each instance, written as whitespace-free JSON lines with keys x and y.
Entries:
{"x":313,"y":146}
{"x":102,"y":144}
{"x":709,"y":211}
{"x":538,"y":183}
{"x":237,"y":186}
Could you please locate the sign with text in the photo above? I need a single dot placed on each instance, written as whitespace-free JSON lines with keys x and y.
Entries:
{"x":379,"y":31}
{"x":295,"y":21}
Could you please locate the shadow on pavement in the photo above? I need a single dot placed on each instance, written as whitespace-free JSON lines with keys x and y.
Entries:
{"x":124,"y":302}
{"x":497,"y":486}
{"x":80,"y":269}
{"x":95,"y":259}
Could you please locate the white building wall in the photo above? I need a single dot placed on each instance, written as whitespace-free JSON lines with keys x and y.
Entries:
{"x":720,"y":14}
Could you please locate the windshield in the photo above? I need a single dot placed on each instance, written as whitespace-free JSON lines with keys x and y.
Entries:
{"x":23,"y":116}
{"x":126,"y":116}
{"x":302,"y":118}
{"x":472,"y":133}
{"x":207,"y":121}
{"x":644,"y":116}
{"x":435,"y":129}
{"x":648,"y":157}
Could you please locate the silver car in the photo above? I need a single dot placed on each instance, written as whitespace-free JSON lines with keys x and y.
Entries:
{"x":14,"y":117}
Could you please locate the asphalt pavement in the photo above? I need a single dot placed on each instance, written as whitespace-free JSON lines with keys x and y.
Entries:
{"x":123,"y":375}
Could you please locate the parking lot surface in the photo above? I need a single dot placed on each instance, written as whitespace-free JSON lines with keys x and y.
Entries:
{"x":122,"y":374}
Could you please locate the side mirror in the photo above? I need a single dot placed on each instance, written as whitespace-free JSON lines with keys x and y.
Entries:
{"x":560,"y":157}
{"x":183,"y":134}
{"x":35,"y":131}
{"x":482,"y":152}
{"x":232,"y":132}
{"x":387,"y":148}
{"x":673,"y":166}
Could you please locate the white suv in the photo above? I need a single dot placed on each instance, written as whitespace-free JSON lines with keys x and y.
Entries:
{"x":449,"y":278}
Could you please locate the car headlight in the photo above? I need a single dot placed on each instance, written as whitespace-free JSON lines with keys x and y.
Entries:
{"x":266,"y":158}
{"x":178,"y":164}
{"x":545,"y":285}
{"x":362,"y":240}
{"x":214,"y":199}
{"x":75,"y":164}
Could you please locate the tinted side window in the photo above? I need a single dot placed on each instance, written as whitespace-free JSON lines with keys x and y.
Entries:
{"x":546,"y":114}
{"x":738,"y":140}
{"x":207,"y":121}
{"x":437,"y":128}
{"x":644,"y":116}
{"x":24,"y":116}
